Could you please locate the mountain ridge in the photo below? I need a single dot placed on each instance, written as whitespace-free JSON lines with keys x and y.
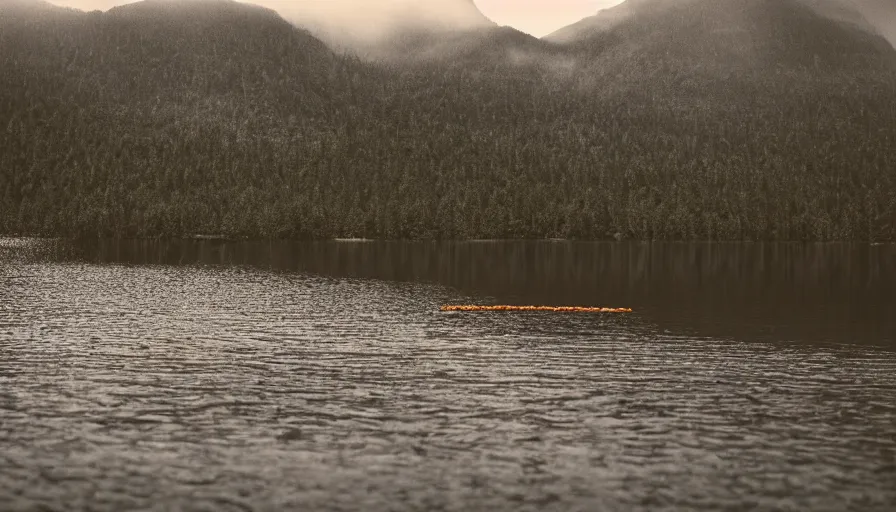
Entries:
{"x":764,"y":122}
{"x":855,"y":14}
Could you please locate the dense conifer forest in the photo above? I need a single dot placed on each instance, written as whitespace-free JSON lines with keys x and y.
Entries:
{"x":711,"y":119}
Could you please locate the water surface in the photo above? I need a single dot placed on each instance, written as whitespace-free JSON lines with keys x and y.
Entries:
{"x":175,"y":375}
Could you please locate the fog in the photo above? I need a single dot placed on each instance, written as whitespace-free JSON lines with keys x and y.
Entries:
{"x":536,"y":17}
{"x":362,"y":20}
{"x":357,"y":19}
{"x":882,"y":15}
{"x":541,"y":17}
{"x":366,"y":20}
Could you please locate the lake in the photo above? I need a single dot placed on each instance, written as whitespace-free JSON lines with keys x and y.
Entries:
{"x":209,"y":375}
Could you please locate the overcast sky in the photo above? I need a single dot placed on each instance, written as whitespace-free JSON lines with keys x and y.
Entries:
{"x":537,"y":17}
{"x":541,"y":17}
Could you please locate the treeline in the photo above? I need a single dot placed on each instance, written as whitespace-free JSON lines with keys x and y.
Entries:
{"x":151,"y":121}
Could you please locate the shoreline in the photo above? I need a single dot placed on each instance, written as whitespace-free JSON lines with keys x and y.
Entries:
{"x":244,"y":239}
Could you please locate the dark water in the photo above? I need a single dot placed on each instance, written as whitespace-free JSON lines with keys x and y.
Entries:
{"x":256,"y":376}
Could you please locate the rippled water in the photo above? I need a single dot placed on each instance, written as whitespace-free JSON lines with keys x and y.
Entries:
{"x":134,"y":382}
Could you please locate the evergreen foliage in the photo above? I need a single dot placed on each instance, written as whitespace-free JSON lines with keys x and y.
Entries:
{"x":724,"y":120}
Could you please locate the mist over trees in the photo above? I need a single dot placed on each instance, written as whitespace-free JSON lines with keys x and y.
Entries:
{"x":712,"y":119}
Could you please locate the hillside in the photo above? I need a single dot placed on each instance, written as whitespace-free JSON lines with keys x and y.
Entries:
{"x":731,"y":119}
{"x":874,"y":16}
{"x":603,"y":21}
{"x":735,"y":43}
{"x":128,"y":109}
{"x":158,"y":47}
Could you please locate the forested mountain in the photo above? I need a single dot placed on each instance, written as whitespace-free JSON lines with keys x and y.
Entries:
{"x":163,"y":48}
{"x":686,"y":45}
{"x":878,"y":16}
{"x":602,"y":21}
{"x":710,"y":119}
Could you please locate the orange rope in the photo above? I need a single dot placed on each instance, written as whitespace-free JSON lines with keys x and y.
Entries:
{"x":562,"y":309}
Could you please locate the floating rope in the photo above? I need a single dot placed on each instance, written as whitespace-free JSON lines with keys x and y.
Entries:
{"x":561,"y":309}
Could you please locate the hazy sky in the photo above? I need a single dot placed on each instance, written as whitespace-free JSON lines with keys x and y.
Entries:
{"x":541,"y":17}
{"x":537,"y":17}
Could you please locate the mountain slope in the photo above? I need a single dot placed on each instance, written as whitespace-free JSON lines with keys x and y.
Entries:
{"x":728,"y":43}
{"x":874,"y":16}
{"x":149,"y":103}
{"x":713,"y":119}
{"x":158,"y":47}
{"x":794,"y":95}
{"x":604,"y":20}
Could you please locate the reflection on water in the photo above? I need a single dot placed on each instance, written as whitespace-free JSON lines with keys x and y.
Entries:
{"x":209,"y":376}
{"x":813,"y":292}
